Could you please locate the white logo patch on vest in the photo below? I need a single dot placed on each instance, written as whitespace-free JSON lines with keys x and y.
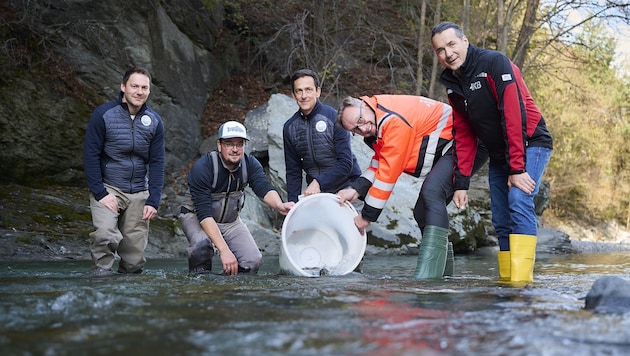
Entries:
{"x":320,"y":126}
{"x":506,"y":77}
{"x":146,"y":120}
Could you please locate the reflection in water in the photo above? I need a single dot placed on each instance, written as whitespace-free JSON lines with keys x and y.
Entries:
{"x":393,"y":327}
{"x":54,"y":308}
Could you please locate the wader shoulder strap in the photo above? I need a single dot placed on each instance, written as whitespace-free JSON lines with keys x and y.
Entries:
{"x":215,"y":164}
{"x":244,"y":171}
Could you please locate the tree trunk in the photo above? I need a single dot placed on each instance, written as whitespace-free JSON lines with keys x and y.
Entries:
{"x":466,"y":16}
{"x":527,"y":31}
{"x":435,"y":66}
{"x":501,"y":27}
{"x":421,"y":42}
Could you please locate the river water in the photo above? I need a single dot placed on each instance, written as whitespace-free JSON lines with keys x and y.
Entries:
{"x":54,"y":308}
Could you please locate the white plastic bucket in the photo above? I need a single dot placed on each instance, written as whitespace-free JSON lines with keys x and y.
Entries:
{"x":319,"y":238}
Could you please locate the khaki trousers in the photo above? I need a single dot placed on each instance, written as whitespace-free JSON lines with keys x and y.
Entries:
{"x":236,"y":236}
{"x":124,"y":233}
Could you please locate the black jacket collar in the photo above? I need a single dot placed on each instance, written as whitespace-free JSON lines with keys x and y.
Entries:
{"x":313,"y":112}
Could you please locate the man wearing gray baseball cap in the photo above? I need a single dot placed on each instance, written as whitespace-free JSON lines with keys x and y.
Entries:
{"x":212,"y":218}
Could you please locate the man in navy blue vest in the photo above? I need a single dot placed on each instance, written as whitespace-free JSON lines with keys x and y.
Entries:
{"x":313,"y":144}
{"x":123,"y":158}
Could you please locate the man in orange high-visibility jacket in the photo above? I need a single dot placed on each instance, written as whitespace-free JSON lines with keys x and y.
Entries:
{"x":413,"y":135}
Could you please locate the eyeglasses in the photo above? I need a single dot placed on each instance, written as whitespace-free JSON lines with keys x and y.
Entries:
{"x":230,"y":144}
{"x":360,"y":122}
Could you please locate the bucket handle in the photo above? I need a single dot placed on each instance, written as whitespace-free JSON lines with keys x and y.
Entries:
{"x":337,"y":197}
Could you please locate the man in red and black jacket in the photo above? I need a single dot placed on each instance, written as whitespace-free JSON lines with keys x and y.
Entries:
{"x":491,"y":103}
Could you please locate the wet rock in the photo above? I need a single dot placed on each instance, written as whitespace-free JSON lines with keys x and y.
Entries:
{"x":553,"y":241}
{"x":609,"y":295}
{"x":541,"y":200}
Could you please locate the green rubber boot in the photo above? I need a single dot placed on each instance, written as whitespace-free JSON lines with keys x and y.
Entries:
{"x":432,"y":253}
{"x":450,"y":260}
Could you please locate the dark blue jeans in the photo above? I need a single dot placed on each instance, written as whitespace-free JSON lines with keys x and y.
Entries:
{"x":512,"y":209}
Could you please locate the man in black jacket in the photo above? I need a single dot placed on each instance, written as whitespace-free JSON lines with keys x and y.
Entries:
{"x":491,"y":103}
{"x":216,"y":183}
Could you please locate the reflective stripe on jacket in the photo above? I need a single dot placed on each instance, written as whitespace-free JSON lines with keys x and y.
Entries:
{"x":413,"y":132}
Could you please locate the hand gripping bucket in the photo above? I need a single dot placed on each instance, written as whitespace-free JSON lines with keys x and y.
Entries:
{"x":319,"y":238}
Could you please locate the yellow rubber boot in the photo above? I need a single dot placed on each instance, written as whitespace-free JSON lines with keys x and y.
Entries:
{"x":522,"y":257}
{"x":503,"y":258}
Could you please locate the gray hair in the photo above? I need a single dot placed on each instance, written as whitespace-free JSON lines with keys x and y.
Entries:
{"x":443,"y":26}
{"x":347,"y":101}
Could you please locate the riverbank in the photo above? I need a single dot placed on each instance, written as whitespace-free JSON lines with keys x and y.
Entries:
{"x":54,"y":224}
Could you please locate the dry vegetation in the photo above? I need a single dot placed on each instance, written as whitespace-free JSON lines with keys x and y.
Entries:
{"x":363,"y":53}
{"x":238,"y":94}
{"x":231,"y":100}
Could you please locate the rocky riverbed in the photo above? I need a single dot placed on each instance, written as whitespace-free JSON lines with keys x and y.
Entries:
{"x":54,"y":223}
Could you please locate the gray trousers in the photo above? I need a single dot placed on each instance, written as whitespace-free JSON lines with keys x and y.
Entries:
{"x":123,"y":232}
{"x":236,"y":235}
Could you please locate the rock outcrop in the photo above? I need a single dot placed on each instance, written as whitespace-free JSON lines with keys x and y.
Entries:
{"x":46,"y":106}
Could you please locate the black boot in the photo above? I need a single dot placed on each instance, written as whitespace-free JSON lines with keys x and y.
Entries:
{"x":200,"y":258}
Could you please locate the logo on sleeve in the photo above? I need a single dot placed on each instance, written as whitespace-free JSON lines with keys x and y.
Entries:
{"x":506,"y":77}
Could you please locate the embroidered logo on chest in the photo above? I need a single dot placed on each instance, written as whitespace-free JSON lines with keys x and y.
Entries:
{"x":146,"y":120}
{"x":320,"y":126}
{"x":475,"y":85}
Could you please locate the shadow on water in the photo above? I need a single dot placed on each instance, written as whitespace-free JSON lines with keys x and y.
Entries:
{"x":54,"y":308}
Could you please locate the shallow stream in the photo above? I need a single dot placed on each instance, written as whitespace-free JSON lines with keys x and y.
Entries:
{"x":54,"y":308}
